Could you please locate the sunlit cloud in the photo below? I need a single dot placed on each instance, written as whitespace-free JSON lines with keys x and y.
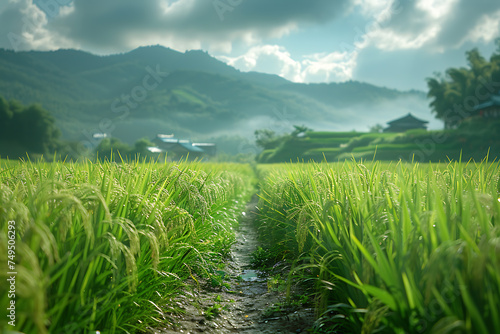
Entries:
{"x":487,"y":29}
{"x":320,"y":67}
{"x":436,"y":9}
{"x":270,"y":59}
{"x":23,"y":26}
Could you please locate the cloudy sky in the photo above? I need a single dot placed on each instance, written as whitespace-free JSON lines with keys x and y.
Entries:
{"x":393,"y":43}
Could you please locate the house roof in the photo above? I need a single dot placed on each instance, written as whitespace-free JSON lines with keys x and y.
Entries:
{"x":168,"y":142}
{"x":408,"y":119}
{"x":191,"y":148}
{"x":187,"y":146}
{"x":494,"y":101}
{"x":204,"y":144}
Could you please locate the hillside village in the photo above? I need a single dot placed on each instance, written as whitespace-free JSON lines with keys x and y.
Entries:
{"x":404,"y":138}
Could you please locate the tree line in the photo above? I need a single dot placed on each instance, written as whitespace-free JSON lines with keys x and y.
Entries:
{"x":30,"y":129}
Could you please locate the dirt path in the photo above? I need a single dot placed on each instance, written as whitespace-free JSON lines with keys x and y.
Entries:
{"x":244,"y":304}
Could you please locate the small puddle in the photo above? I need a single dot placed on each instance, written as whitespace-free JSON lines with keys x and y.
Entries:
{"x":249,"y":275}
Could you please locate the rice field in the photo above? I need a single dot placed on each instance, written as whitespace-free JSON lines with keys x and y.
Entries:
{"x":103,"y":246}
{"x":378,"y":247}
{"x":389,"y":248}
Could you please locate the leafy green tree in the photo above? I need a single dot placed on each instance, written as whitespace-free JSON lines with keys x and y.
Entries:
{"x":456,"y":93}
{"x":112,"y":148}
{"x":31,"y":128}
{"x":298,"y":129}
{"x":5,"y":119}
{"x":377,"y":128}
{"x":37,"y":129}
{"x":141,"y":147}
{"x":266,"y":139}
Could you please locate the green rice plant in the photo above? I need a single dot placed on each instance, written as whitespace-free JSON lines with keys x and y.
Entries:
{"x":104,"y":246}
{"x":398,"y":248}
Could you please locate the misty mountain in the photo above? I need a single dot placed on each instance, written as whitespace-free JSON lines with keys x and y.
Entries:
{"x":154,"y":90}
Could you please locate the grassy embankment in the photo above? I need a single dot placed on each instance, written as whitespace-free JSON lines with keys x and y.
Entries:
{"x":472,"y":140}
{"x":104,"y":246}
{"x":392,"y":248}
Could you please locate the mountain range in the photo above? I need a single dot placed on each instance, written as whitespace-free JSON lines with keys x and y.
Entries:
{"x":153,"y":90}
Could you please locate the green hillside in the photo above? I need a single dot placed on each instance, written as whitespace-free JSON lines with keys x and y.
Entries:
{"x":158,"y":90}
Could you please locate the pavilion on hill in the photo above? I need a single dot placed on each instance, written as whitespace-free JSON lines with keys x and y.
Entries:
{"x":408,"y":122}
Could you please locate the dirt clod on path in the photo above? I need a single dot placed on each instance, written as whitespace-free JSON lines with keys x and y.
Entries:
{"x":243,"y":305}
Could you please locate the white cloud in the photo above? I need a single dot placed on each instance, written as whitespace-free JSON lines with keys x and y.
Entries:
{"x":373,"y":8}
{"x":436,"y":8}
{"x":335,"y":66}
{"x":23,"y":26}
{"x":321,"y":67}
{"x":269,"y":59}
{"x":381,"y":33}
{"x":66,"y":10}
{"x":486,"y":30}
{"x":436,"y":25}
{"x":111,"y":26}
{"x":390,"y":40}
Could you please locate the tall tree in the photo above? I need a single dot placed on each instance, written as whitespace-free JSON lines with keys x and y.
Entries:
{"x":5,"y":119}
{"x":454,"y":95}
{"x":31,"y":127}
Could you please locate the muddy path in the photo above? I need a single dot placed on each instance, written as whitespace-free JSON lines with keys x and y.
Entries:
{"x":248,"y":302}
